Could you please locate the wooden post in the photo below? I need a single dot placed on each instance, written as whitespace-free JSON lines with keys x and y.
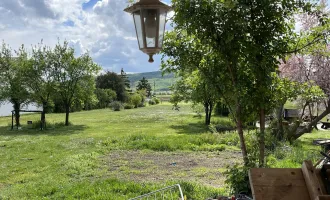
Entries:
{"x":323,"y":197}
{"x":313,"y":185}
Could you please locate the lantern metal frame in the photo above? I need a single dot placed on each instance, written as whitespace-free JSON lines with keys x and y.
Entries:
{"x":142,"y":6}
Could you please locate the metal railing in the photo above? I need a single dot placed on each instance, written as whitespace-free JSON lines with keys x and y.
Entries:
{"x":173,"y":192}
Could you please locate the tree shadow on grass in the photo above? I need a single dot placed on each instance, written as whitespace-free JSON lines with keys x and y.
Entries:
{"x":191,"y":128}
{"x":62,"y":130}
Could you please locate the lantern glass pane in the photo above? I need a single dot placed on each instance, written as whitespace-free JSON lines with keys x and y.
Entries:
{"x":138,"y":27}
{"x":162,"y":21}
{"x":150,"y":24}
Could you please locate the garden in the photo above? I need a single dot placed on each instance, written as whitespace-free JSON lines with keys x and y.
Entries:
{"x":120,"y":155}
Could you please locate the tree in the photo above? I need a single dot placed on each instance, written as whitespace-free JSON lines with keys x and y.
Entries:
{"x":135,"y":99}
{"x":311,"y":65}
{"x":194,"y":87}
{"x":74,"y":76}
{"x":39,"y":78}
{"x":246,"y":39}
{"x":126,"y":80}
{"x":12,"y":86}
{"x":144,"y":84}
{"x":311,"y":70}
{"x":197,"y":64}
{"x":105,"y":97}
{"x":113,"y":81}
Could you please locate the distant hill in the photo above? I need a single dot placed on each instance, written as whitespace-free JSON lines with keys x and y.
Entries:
{"x":161,"y":83}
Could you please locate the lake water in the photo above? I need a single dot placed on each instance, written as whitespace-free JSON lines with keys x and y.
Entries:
{"x":6,"y":108}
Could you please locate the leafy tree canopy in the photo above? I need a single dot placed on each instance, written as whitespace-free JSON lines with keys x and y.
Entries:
{"x":144,"y":84}
{"x":113,"y":81}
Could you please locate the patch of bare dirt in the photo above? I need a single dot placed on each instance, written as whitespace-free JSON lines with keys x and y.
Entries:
{"x":202,"y":167}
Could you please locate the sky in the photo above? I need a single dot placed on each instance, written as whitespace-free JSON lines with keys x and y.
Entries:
{"x":100,"y":27}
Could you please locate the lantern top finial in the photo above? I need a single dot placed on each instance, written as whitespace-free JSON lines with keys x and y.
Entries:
{"x":147,"y":4}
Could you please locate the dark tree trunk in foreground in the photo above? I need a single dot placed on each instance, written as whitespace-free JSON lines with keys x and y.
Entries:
{"x":43,"y":115}
{"x":210,"y":112}
{"x":208,"y":106}
{"x":239,"y":124}
{"x":67,"y":112}
{"x":262,"y":138}
{"x":17,"y":107}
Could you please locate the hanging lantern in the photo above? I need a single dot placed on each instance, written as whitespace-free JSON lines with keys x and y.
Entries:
{"x":149,"y":19}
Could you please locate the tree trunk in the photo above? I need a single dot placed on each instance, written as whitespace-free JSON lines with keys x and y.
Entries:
{"x":17,"y":107}
{"x":262,"y":138}
{"x":303,"y":111}
{"x":43,"y":115}
{"x":210,"y":111}
{"x":67,"y":112}
{"x":206,"y":107}
{"x":239,"y":124}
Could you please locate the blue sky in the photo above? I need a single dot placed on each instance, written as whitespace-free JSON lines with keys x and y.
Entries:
{"x":100,"y":27}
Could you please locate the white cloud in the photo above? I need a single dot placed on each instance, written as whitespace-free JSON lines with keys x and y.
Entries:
{"x":106,"y":31}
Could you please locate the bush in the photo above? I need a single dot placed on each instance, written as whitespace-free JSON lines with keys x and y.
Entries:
{"x":104,"y":97}
{"x":135,"y":99}
{"x":208,"y":147}
{"x":157,"y":101}
{"x":128,"y":106}
{"x":238,"y":179}
{"x":152,"y":102}
{"x":142,"y":104}
{"x":116,"y":105}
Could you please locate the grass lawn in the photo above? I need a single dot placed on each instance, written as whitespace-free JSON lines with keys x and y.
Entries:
{"x":114,"y":155}
{"x":118,"y":155}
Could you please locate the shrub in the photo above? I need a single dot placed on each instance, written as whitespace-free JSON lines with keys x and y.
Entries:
{"x":208,"y":147}
{"x":152,"y":102}
{"x":238,"y":179}
{"x":104,"y":97}
{"x":142,"y":104}
{"x":116,"y":105}
{"x":135,"y":99}
{"x":231,"y":139}
{"x":157,"y":101}
{"x":128,"y":106}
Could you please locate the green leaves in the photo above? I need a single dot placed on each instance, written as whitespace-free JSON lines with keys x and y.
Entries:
{"x":143,"y":84}
{"x":12,"y":85}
